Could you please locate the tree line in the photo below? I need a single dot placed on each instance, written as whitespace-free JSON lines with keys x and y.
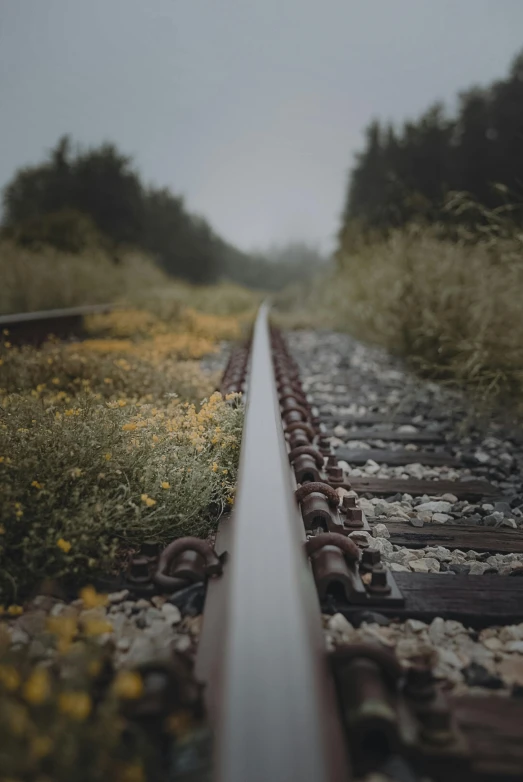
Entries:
{"x":78,"y":198}
{"x":406,"y":173}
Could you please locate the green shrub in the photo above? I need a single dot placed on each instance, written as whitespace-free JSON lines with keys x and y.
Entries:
{"x":452,"y":308}
{"x":80,"y":486}
{"x":66,"y":230}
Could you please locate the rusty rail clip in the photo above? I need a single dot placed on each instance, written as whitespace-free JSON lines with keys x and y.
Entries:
{"x":186,"y":561}
{"x":334,"y":561}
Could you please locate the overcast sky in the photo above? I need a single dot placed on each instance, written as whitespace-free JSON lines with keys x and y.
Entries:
{"x":252,"y":109}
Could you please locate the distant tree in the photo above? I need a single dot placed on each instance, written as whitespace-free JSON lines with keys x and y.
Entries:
{"x":42,"y":203}
{"x":98,"y":182}
{"x":406,"y":174}
{"x":78,"y":197}
{"x":276,"y":267}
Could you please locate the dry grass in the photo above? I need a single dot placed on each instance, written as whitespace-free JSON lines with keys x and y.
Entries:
{"x":47,"y":278}
{"x":80,"y":483}
{"x":50,"y":279}
{"x":99,"y":451}
{"x":452,"y":308}
{"x":103,"y":444}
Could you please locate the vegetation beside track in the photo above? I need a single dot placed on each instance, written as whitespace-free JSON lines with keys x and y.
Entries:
{"x":430,"y":250}
{"x":69,"y":720}
{"x":450,"y":307}
{"x":106,"y":443}
{"x":48,"y":278}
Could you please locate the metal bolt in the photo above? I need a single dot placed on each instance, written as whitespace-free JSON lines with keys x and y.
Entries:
{"x":355,"y":517}
{"x":419,"y":683}
{"x":332,"y":461}
{"x":348,"y":502}
{"x":325,"y":446}
{"x":371,"y":557}
{"x":379,"y":583}
{"x":139,"y":569}
{"x":436,"y":725}
{"x":335,"y":474}
{"x":150,"y":549}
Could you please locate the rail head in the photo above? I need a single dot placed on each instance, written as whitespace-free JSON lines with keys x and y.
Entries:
{"x":36,"y":327}
{"x":277,"y":718}
{"x":19,"y":318}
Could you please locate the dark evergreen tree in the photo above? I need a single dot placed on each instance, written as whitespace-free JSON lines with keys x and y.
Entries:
{"x":406,"y":174}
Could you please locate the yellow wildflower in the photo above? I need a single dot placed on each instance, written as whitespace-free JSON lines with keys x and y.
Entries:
{"x":5,"y":332}
{"x":95,"y":626}
{"x":64,"y":627}
{"x":64,"y":545}
{"x":2,"y":459}
{"x":41,"y":746}
{"x":9,"y":677}
{"x":2,"y":529}
{"x":37,"y":485}
{"x":156,"y":439}
{"x":165,"y":485}
{"x":18,"y":719}
{"x":75,"y":704}
{"x":121,"y":403}
{"x":94,"y":667}
{"x":7,"y":344}
{"x":108,"y":456}
{"x":76,"y":472}
{"x":148,"y":500}
{"x":55,"y":381}
{"x":15,"y":610}
{"x":128,"y":685}
{"x":214,"y":467}
{"x":131,"y":772}
{"x":129,"y":427}
{"x":91,"y":598}
{"x":37,"y":688}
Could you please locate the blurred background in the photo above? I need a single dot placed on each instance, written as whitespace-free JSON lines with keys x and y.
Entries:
{"x":364,"y":158}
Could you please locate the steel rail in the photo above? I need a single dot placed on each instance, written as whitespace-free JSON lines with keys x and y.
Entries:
{"x":31,"y":326}
{"x":277,"y":718}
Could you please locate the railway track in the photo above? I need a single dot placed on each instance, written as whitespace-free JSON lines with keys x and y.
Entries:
{"x":305,"y":601}
{"x":35,"y":327}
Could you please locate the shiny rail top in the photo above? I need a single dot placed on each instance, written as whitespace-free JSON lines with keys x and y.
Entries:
{"x":276,"y":711}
